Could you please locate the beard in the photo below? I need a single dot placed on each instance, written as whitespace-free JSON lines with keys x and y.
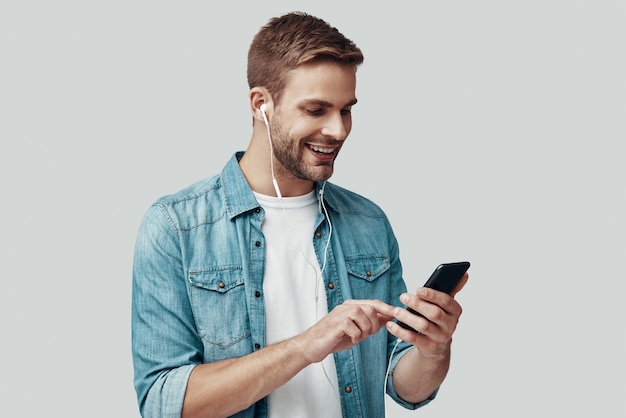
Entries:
{"x":289,"y":152}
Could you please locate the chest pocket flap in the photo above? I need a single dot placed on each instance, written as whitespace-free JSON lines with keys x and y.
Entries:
{"x":368,"y":268}
{"x":218,"y":280}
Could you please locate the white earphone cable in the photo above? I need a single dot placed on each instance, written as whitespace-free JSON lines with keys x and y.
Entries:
{"x":389,"y":367}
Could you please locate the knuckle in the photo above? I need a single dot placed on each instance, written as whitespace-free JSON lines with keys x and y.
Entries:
{"x":437,"y":315}
{"x":370,"y":310}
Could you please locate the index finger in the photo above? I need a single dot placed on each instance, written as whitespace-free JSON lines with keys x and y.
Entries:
{"x":381,"y":307}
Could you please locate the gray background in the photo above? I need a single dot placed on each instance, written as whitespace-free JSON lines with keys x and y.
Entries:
{"x":488,"y":130}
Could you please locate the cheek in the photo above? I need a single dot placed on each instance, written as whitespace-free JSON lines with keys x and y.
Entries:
{"x":300,"y":131}
{"x":347,"y":124}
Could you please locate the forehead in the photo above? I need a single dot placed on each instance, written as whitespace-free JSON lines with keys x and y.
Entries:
{"x":321,"y":81}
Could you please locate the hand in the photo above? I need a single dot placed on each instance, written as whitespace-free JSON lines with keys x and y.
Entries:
{"x":438,"y":320}
{"x":345,"y":326}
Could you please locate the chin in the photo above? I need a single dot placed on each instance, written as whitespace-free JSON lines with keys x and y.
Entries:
{"x":323,"y":176}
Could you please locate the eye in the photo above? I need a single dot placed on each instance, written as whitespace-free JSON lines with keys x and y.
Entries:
{"x":347,"y":111}
{"x":315,"y":112}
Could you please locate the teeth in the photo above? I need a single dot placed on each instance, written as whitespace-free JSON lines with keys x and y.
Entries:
{"x":322,"y":150}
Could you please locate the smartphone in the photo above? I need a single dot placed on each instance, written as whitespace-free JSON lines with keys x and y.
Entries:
{"x":445,"y":277}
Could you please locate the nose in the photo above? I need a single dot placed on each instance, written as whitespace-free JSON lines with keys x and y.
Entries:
{"x":337,"y":126}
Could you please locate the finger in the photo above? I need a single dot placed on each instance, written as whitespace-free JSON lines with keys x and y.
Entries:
{"x":411,"y":337}
{"x":357,"y":329}
{"x":383,"y":309}
{"x":365,"y":318}
{"x":425,"y":298}
{"x":409,"y":319}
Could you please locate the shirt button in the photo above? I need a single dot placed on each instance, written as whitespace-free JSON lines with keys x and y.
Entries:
{"x":348,"y":389}
{"x":318,"y":234}
{"x":257,"y":294}
{"x":331,"y":286}
{"x":258,"y":243}
{"x":222,"y":285}
{"x":258,"y":210}
{"x":257,"y":346}
{"x":369,"y":274}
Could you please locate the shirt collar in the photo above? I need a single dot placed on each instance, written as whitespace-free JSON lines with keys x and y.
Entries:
{"x":238,"y":194}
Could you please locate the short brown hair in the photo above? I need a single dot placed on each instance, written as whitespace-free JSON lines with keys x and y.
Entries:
{"x":291,"y":40}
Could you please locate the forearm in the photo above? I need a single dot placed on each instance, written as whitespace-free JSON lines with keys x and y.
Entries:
{"x":223,"y":388}
{"x":416,"y":377}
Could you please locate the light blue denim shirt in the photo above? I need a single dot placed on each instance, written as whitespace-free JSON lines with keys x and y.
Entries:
{"x":197,"y":294}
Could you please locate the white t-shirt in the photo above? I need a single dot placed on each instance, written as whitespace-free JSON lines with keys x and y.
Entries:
{"x":295,"y":299}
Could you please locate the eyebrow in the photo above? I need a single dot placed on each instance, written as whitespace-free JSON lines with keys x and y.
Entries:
{"x":324,"y":103}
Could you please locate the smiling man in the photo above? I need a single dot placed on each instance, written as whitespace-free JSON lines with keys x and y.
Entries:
{"x":267,"y":291}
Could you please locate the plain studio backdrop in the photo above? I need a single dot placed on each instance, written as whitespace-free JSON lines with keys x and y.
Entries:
{"x":489,"y":131}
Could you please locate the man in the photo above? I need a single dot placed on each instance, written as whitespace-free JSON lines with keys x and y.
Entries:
{"x":262,"y":291}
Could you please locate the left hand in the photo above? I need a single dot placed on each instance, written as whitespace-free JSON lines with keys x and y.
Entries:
{"x":440,"y":312}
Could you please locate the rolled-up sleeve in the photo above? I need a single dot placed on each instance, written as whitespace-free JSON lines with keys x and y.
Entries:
{"x":165,"y":344}
{"x":403,"y":349}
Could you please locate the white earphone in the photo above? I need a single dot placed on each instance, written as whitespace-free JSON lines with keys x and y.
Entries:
{"x":263,"y":108}
{"x":263,"y":112}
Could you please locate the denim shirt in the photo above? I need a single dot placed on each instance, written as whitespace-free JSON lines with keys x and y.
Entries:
{"x":198,"y":280}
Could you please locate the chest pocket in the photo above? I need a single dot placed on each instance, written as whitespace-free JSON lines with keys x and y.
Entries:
{"x":370,"y":270}
{"x":218,"y":300}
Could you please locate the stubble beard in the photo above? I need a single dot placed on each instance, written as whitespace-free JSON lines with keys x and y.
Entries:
{"x":287,"y":151}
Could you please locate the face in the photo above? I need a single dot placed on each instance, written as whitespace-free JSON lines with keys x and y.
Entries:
{"x":312,"y":120}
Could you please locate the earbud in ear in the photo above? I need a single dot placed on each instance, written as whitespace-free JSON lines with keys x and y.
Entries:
{"x":263,"y":112}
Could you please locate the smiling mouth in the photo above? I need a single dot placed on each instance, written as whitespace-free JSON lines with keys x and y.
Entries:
{"x":322,"y":150}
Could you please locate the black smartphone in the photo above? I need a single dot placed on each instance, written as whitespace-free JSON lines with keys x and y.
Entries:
{"x":445,"y":277}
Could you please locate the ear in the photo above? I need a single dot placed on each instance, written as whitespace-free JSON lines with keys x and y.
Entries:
{"x":258,"y":97}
